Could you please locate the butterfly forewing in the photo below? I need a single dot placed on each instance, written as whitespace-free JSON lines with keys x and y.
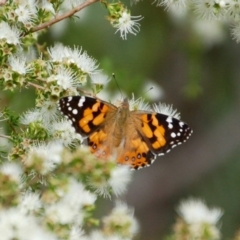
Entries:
{"x":85,"y":113}
{"x":162,"y":132}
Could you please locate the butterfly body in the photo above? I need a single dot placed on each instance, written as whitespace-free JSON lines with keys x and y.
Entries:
{"x":134,"y":137}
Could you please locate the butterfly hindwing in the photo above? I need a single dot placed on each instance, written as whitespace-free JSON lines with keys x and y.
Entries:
{"x":100,"y":143}
{"x":136,"y":152}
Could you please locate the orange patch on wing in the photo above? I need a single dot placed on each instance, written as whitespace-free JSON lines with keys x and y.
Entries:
{"x":98,"y":137}
{"x":156,"y":145}
{"x":96,"y":147}
{"x":139,"y":145}
{"x":87,"y":111}
{"x":104,"y":109}
{"x":130,"y":158}
{"x":159,"y":134}
{"x":154,"y":120}
{"x":86,"y":128}
{"x":83,"y":123}
{"x":99,"y":119}
{"x":147,"y":130}
{"x":136,"y":156}
{"x":95,"y":106}
{"x":144,"y":118}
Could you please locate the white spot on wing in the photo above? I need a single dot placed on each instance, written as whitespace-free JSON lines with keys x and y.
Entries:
{"x":181,"y":124}
{"x":75,"y":111}
{"x":173,"y":135}
{"x":169,"y":120}
{"x":81,"y":101}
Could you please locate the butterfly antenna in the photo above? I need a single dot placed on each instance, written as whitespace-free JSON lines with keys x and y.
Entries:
{"x":151,"y":88}
{"x":114,"y":77}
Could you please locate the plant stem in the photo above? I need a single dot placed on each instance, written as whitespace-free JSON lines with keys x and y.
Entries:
{"x":63,"y":16}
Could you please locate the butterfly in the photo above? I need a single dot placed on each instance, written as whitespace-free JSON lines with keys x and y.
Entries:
{"x":134,"y":138}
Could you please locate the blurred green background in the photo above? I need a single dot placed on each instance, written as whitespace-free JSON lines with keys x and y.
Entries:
{"x":196,"y":65}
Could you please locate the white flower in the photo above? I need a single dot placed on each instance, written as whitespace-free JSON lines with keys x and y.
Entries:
{"x":73,"y":55}
{"x":44,"y":157}
{"x":138,"y":104}
{"x":87,"y":64}
{"x":31,"y":4}
{"x":128,"y":24}
{"x":12,"y":170}
{"x":99,"y":78}
{"x":117,"y":182}
{"x":57,"y":52}
{"x":29,"y":202}
{"x":195,"y":211}
{"x":60,"y":53}
{"x":46,"y":114}
{"x":166,"y":110}
{"x":235,"y":31}
{"x":121,"y":217}
{"x":24,"y":13}
{"x":76,"y":233}
{"x":77,"y":195}
{"x":14,"y":224}
{"x":63,"y":213}
{"x":201,"y":221}
{"x":31,"y":116}
{"x":10,"y":34}
{"x":65,"y":78}
{"x":68,"y":210}
{"x":119,"y":179}
{"x":233,"y":10}
{"x":18,"y":64}
{"x":98,"y":235}
{"x":46,"y":5}
{"x":210,"y":9}
{"x":101,"y":188}
{"x":178,"y":13}
{"x":64,"y":133}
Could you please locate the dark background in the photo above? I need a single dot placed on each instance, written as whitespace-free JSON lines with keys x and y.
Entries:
{"x":200,"y":77}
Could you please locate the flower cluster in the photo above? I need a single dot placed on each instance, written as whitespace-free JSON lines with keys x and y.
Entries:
{"x":65,"y":204}
{"x":197,"y":221}
{"x":120,"y":18}
{"x":66,"y":185}
{"x":51,"y":185}
{"x":209,"y":11}
{"x":47,"y":189}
